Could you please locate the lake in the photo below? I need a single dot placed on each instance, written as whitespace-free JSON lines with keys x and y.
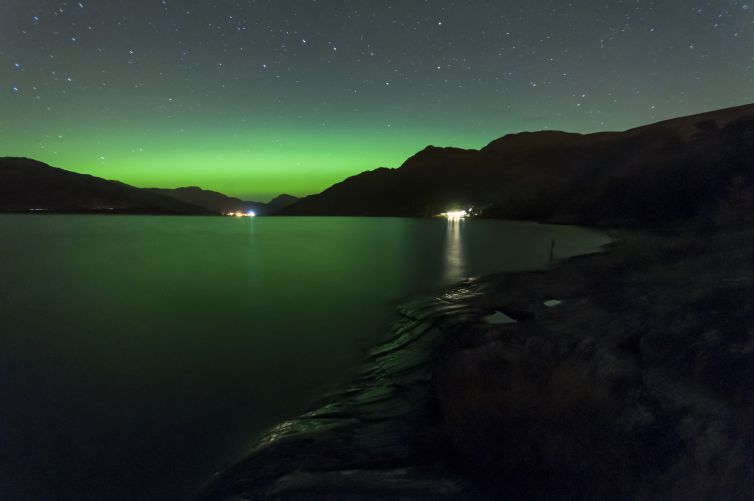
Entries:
{"x":140,"y":354}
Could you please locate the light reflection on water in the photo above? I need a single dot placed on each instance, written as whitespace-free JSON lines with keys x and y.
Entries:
{"x":138,"y":354}
{"x":454,"y":256}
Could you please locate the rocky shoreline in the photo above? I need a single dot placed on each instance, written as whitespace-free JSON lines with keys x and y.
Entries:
{"x":376,"y":436}
{"x":621,"y":375}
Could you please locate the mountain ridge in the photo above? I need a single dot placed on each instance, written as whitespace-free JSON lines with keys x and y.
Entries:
{"x":560,"y":176}
{"x":209,"y":199}
{"x":29,"y":185}
{"x":644,"y":176}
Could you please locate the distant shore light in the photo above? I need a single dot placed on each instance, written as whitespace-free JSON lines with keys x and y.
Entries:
{"x":455,"y":214}
{"x":250,"y":213}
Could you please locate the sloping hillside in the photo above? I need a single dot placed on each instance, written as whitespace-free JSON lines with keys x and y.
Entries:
{"x":27,"y":185}
{"x":645,"y":176}
{"x":212,"y":200}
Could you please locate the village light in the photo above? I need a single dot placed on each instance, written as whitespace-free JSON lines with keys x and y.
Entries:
{"x":455,"y":214}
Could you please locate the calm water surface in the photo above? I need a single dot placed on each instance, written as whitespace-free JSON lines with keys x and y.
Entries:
{"x":139,"y":354}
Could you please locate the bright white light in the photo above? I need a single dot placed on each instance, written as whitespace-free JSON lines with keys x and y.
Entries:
{"x":455,"y":214}
{"x":250,"y":213}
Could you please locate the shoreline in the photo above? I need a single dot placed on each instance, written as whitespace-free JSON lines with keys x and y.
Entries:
{"x":372,"y":437}
{"x":380,"y":433}
{"x":624,"y":374}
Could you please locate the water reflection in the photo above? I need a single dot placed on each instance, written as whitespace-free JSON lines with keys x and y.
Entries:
{"x":251,"y":317}
{"x":454,"y":260}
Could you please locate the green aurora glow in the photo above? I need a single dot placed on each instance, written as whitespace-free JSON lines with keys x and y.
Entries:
{"x":258,"y":98}
{"x":250,"y":162}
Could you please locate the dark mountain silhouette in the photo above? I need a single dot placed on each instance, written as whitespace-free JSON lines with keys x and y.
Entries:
{"x":27,"y":185}
{"x":281,"y":202}
{"x":212,"y":200}
{"x":645,"y":176}
{"x":222,"y":204}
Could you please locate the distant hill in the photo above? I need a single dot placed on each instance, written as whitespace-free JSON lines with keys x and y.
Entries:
{"x":212,"y":200}
{"x":281,"y":202}
{"x":222,"y":204}
{"x":646,"y":176}
{"x":27,"y":185}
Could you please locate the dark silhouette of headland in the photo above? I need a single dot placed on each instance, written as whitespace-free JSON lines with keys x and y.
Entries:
{"x":30,"y":186}
{"x":644,"y":177}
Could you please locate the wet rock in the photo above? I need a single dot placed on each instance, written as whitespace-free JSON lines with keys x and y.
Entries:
{"x":363,"y":485}
{"x":364,"y":440}
{"x":499,"y":318}
{"x":639,"y":389}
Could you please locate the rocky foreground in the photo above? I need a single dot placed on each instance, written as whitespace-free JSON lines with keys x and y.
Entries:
{"x":623,"y":375}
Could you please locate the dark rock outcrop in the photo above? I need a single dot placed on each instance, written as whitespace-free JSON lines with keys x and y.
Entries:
{"x":375,"y":438}
{"x":634,"y":384}
{"x":625,"y":375}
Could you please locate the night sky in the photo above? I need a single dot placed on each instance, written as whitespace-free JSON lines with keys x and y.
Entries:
{"x":255,"y":98}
